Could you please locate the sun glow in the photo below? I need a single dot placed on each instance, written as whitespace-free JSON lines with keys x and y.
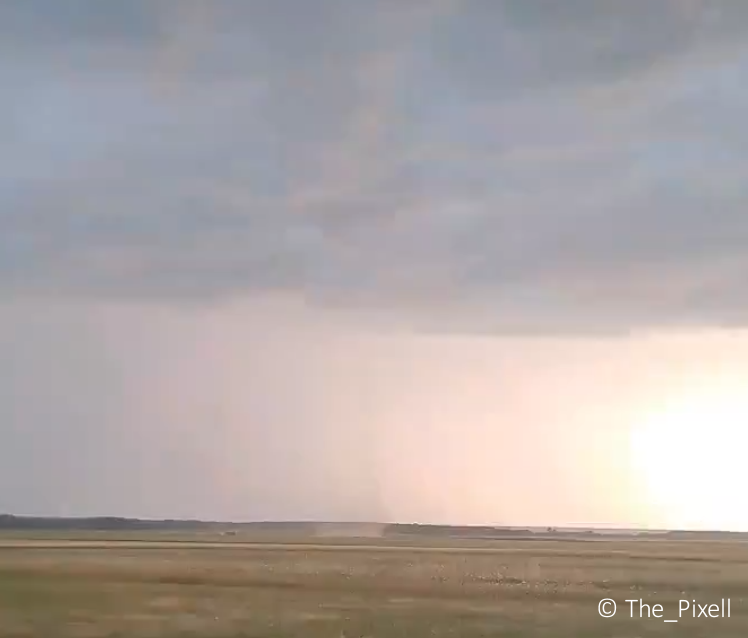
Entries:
{"x":690,"y":462}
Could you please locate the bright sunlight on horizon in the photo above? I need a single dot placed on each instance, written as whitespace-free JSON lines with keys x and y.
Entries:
{"x":688,"y":456}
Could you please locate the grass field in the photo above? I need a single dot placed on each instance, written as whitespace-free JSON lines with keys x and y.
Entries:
{"x":101,"y":585}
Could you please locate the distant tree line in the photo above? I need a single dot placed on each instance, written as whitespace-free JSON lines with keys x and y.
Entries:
{"x":99,"y":523}
{"x":121,"y":524}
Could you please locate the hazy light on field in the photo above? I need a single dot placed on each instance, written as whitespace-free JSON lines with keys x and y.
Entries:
{"x":272,"y":410}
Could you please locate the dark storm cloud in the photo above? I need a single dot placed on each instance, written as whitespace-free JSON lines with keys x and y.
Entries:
{"x":552,"y":166}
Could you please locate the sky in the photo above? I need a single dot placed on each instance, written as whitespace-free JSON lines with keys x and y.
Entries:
{"x":462,"y":261}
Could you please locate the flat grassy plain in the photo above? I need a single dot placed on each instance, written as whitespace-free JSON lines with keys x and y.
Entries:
{"x":102,"y":584}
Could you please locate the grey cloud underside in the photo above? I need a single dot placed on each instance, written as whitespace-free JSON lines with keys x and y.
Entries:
{"x":488,"y":165}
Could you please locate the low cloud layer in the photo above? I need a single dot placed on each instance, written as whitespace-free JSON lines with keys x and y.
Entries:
{"x":463,"y":165}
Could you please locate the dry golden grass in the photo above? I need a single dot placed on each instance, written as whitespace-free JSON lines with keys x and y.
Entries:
{"x":214,"y":587}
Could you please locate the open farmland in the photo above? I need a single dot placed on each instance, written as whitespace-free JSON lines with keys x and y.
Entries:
{"x":213,"y":586}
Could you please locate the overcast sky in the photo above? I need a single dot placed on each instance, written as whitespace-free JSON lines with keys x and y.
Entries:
{"x":373,"y":260}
